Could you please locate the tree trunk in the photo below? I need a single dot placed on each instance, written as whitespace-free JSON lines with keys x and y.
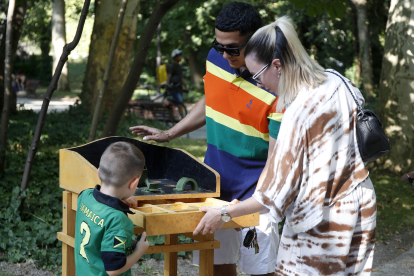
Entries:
{"x":106,"y":16}
{"x":2,"y":58}
{"x":396,"y":92}
{"x":159,"y":55}
{"x":139,"y":62}
{"x":59,"y":41}
{"x":364,"y":48}
{"x":18,"y":19}
{"x":114,"y":42}
{"x":7,"y":91}
{"x":192,"y":61}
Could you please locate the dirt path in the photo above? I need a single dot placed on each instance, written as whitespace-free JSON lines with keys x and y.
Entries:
{"x":389,"y":256}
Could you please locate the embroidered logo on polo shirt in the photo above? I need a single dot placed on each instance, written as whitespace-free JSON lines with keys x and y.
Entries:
{"x":249,"y":105}
{"x":119,"y":242}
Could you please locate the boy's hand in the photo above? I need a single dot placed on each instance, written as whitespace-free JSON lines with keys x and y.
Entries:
{"x":142,"y":244}
{"x":132,"y":202}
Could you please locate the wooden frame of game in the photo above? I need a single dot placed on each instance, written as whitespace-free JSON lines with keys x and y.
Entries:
{"x":166,"y":206}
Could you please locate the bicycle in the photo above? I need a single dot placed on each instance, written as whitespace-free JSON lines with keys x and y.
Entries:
{"x":167,"y":96}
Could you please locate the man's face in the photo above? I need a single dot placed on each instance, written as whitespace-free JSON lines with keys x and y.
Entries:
{"x":178,"y":58}
{"x":232,"y":40}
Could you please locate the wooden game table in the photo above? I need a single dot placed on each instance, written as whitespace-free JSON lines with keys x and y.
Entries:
{"x":165,"y":212}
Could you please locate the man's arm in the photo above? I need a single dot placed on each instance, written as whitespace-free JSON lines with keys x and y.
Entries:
{"x":168,"y":81}
{"x":194,"y":120}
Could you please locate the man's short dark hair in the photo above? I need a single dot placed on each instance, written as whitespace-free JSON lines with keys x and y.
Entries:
{"x":239,"y":16}
{"x":120,"y":162}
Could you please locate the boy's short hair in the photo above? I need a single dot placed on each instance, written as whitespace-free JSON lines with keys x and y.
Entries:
{"x":120,"y":162}
{"x":239,"y":16}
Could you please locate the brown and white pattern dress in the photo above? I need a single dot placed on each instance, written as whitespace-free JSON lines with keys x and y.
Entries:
{"x":317,"y":179}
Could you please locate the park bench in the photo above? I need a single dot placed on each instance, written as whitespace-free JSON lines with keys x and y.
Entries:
{"x":31,"y":86}
{"x":149,"y":110}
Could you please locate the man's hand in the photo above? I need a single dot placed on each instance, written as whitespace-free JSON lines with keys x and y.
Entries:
{"x":151,"y":134}
{"x":211,"y":222}
{"x":132,"y":202}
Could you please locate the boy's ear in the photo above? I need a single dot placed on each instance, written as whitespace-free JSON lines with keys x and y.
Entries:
{"x":133,"y":183}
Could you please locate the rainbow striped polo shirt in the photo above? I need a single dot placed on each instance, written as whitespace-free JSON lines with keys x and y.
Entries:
{"x":239,"y":117}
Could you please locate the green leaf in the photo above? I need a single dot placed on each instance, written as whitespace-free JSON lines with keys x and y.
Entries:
{"x":299,"y":4}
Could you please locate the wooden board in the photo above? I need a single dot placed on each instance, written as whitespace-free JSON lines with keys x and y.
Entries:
{"x":181,"y":217}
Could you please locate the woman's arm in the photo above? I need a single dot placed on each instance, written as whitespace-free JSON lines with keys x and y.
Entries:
{"x":212,"y":222}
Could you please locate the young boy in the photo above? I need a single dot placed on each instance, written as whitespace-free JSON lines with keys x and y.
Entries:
{"x":103,"y":239}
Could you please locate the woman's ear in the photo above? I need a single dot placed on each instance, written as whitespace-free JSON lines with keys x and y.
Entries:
{"x":276,"y":64}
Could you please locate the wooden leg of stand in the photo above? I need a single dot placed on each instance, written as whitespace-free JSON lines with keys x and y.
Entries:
{"x":68,"y":227}
{"x":207,"y":259}
{"x":170,"y":258}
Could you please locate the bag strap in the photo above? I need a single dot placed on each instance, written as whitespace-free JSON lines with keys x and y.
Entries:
{"x":359,"y":108}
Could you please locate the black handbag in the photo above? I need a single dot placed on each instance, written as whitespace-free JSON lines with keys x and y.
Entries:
{"x":371,"y":138}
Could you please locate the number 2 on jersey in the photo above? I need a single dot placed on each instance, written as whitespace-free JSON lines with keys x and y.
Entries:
{"x":84,"y":227}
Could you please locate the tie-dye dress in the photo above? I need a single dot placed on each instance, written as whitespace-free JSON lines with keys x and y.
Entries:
{"x":317,"y":179}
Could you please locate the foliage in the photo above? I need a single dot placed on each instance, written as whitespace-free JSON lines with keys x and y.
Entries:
{"x":395,"y":205}
{"x":334,"y":8}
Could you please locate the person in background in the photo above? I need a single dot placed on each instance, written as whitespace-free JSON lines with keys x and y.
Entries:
{"x":175,"y":81}
{"x":315,"y":176}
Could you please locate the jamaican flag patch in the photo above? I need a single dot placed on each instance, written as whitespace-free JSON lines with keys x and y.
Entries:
{"x":119,"y":242}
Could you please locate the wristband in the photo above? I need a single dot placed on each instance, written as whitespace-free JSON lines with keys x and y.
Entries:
{"x":168,"y":135}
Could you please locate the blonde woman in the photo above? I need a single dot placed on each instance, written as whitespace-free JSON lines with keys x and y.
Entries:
{"x":315,"y":176}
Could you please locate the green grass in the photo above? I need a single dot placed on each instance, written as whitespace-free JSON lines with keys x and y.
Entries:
{"x":196,"y":148}
{"x":395,"y":205}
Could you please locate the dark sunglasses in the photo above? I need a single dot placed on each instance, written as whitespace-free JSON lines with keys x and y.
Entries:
{"x":235,"y":52}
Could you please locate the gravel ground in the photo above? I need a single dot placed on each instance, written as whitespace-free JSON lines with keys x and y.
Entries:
{"x":392,"y":257}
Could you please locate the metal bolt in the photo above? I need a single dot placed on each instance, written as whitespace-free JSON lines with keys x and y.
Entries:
{"x":64,"y":206}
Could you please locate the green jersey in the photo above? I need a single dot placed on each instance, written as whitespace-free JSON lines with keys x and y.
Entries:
{"x":103,"y":235}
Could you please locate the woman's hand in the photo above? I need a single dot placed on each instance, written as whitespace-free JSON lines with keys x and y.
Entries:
{"x":211,"y":222}
{"x":153,"y":134}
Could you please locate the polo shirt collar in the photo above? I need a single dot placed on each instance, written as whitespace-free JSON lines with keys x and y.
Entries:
{"x":110,"y":201}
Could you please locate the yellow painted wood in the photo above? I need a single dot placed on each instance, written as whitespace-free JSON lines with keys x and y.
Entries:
{"x":75,"y":172}
{"x":206,"y":267}
{"x":66,"y":239}
{"x":175,"y":219}
{"x":170,"y":258}
{"x":183,"y":247}
{"x":68,"y":228}
{"x":68,"y":260}
{"x":75,"y":201}
{"x":138,"y":230}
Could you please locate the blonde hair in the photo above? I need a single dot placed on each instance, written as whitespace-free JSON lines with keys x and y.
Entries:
{"x":279,"y":40}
